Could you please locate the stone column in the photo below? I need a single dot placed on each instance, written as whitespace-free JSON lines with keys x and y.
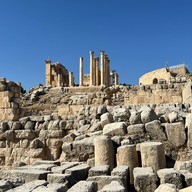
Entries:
{"x":104,"y":152}
{"x":102,"y":53}
{"x":105,"y":70}
{"x":59,"y":80}
{"x":48,"y":72}
{"x":91,"y":68}
{"x":116,"y":79}
{"x":127,"y":155}
{"x":71,"y":79}
{"x":153,"y":155}
{"x":109,"y":75}
{"x":97,"y":83}
{"x":81,"y":74}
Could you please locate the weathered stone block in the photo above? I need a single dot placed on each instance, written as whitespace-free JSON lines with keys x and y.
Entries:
{"x":114,"y":186}
{"x":144,"y":179}
{"x":170,"y":176}
{"x":167,"y":188}
{"x":99,"y":170}
{"x":87,"y":186}
{"x":137,"y":129}
{"x":113,"y":129}
{"x":106,"y":118}
{"x":24,"y":134}
{"x":175,"y":133}
{"x":61,"y":169}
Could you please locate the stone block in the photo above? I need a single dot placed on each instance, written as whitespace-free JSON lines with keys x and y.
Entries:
{"x":167,"y":188}
{"x":24,"y":134}
{"x":187,"y":176}
{"x":113,"y":129}
{"x":147,"y":115}
{"x":114,"y":186}
{"x":175,"y":133}
{"x":144,"y":179}
{"x":55,"y":134}
{"x":106,"y":118}
{"x":79,"y":172}
{"x":27,"y":174}
{"x":104,"y":180}
{"x":61,"y":169}
{"x":53,"y":187}
{"x":187,"y":189}
{"x":29,"y":125}
{"x":183,"y":165}
{"x":135,"y":118}
{"x":44,"y":162}
{"x":30,"y":186}
{"x":5,"y":185}
{"x":155,"y":130}
{"x":57,"y":178}
{"x":121,"y":114}
{"x":170,"y":176}
{"x":188,"y":125}
{"x":137,"y":129}
{"x":87,"y":186}
{"x":99,"y":170}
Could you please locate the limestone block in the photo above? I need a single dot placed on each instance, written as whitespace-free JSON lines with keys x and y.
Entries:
{"x":187,"y":177}
{"x":16,"y":125}
{"x":54,"y":143}
{"x":27,"y":174}
{"x":8,"y":135}
{"x":69,"y":138}
{"x":121,"y":114}
{"x":147,"y":115}
{"x":144,"y":179}
{"x":37,"y":143}
{"x":188,"y":125}
{"x":24,"y":134}
{"x":53,"y":187}
{"x":167,"y":188}
{"x":183,"y":165}
{"x":36,"y":118}
{"x":101,"y":110}
{"x":55,"y":134}
{"x":113,"y":129}
{"x":57,"y":178}
{"x":87,"y":186}
{"x":114,"y":186}
{"x":37,"y":153}
{"x":29,"y":125}
{"x":137,"y":129}
{"x":175,"y":133}
{"x":61,"y":169}
{"x":104,"y":152}
{"x":104,"y":180}
{"x":99,"y":170}
{"x":44,"y":162}
{"x":153,"y":155}
{"x":30,"y":186}
{"x":95,"y":127}
{"x":5,"y":185}
{"x":187,"y":189}
{"x":106,"y":118}
{"x":135,"y":118}
{"x":123,"y":172}
{"x":79,"y":172}
{"x":53,"y":153}
{"x":173,"y":117}
{"x":127,"y":155}
{"x":155,"y":130}
{"x":170,"y":176}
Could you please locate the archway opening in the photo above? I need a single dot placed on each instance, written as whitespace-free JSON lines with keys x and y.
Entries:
{"x":155,"y":81}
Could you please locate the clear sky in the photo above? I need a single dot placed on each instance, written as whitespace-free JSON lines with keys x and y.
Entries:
{"x":138,"y":35}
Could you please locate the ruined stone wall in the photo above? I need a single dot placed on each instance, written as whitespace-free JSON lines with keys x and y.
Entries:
{"x":153,"y":76}
{"x":86,"y":80}
{"x":154,"y":94}
{"x":9,"y":100}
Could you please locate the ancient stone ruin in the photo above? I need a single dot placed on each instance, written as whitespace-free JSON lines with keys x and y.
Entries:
{"x":97,"y":136}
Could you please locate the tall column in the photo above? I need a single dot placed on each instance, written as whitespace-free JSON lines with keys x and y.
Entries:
{"x":71,"y":79}
{"x":91,"y":68}
{"x":102,"y":53}
{"x":59,"y":80}
{"x":48,"y":73}
{"x":116,"y":79}
{"x":81,"y":71}
{"x":109,"y":73}
{"x":97,"y":71}
{"x":105,"y":70}
{"x":94,"y":72}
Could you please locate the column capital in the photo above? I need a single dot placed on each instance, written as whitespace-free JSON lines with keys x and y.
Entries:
{"x":102,"y":52}
{"x":97,"y":58}
{"x":48,"y":61}
{"x":91,"y":52}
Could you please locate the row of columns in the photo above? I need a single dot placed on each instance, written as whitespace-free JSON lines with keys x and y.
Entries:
{"x":98,"y":76}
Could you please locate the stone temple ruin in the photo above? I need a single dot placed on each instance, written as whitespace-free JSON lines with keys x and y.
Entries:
{"x":97,"y":136}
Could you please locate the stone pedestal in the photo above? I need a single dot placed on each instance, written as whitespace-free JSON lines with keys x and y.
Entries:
{"x":104,"y":152}
{"x":153,"y":155}
{"x":127,"y":155}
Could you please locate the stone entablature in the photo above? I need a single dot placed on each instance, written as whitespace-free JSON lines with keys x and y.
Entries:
{"x":56,"y":74}
{"x":9,"y":100}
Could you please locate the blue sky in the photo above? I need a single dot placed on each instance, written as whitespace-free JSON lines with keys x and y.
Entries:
{"x":138,"y":35}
